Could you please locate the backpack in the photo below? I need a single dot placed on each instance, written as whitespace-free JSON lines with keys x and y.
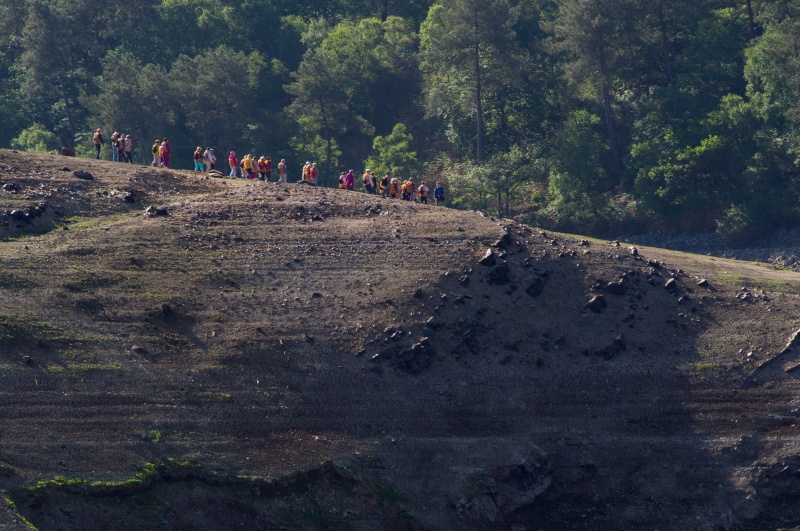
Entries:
{"x":155,"y":149}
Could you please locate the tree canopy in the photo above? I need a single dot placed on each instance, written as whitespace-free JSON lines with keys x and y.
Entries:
{"x":595,"y":115}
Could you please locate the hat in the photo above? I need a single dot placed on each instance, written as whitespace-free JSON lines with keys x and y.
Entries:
{"x":283,"y":160}
{"x":232,"y":152}
{"x":367,"y":170}
{"x":127,"y":136}
{"x":98,"y":129}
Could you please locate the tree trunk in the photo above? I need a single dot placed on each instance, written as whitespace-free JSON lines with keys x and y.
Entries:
{"x":478,"y":97}
{"x":328,"y":137}
{"x":665,"y":46}
{"x":68,"y":111}
{"x":751,"y":19}
{"x":609,"y":112}
{"x":384,"y":10}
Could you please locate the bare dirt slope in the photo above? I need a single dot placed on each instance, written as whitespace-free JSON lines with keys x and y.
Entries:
{"x":193,"y":366}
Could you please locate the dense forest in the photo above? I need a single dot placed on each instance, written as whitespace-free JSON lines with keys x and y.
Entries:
{"x":591,"y":115}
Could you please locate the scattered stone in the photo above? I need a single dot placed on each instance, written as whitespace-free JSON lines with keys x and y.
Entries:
{"x":137,"y":349}
{"x":153,"y":212}
{"x":489,"y":259}
{"x":12,"y":188}
{"x":615,"y":288}
{"x":620,"y":342}
{"x":81,"y":174}
{"x":703,"y":283}
{"x":536,"y":287}
{"x":67,"y":151}
{"x":596,"y":304}
{"x":499,"y":275}
{"x":671,"y":285}
{"x":633,"y":250}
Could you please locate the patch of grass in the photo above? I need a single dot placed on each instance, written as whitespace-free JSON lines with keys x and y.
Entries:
{"x":216,"y":397}
{"x":26,"y":328}
{"x":13,"y":507}
{"x":11,"y":280}
{"x":704,"y":367}
{"x":767,"y":284}
{"x":82,"y":368}
{"x":154,"y":436}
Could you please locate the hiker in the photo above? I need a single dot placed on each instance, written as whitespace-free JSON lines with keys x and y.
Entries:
{"x":267,"y":169}
{"x":262,"y":169}
{"x":408,"y":189}
{"x":282,"y":175}
{"x":349,"y":180}
{"x":156,"y":153}
{"x":198,"y":159}
{"x":207,"y":160}
{"x":423,"y":193}
{"x":438,"y":194}
{"x":98,"y":142}
{"x":247,"y":166}
{"x":384,"y":185}
{"x":165,"y":153}
{"x":314,"y":173}
{"x":234,"y":164}
{"x":114,"y":153}
{"x":128,"y":149}
{"x":121,"y":148}
{"x":366,"y":182}
{"x":394,"y":188}
{"x":306,"y":172}
{"x":341,"y":180}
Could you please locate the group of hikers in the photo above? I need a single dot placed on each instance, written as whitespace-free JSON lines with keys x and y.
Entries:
{"x":390,"y":186}
{"x":261,"y":169}
{"x":121,"y":146}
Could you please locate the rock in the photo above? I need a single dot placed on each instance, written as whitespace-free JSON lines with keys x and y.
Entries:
{"x":67,"y":151}
{"x":154,"y":212}
{"x":81,"y":174}
{"x":596,"y":304}
{"x":508,"y":488}
{"x":633,"y":250}
{"x":794,"y":340}
{"x":11,"y":188}
{"x":671,"y":285}
{"x":703,"y":283}
{"x":504,"y":242}
{"x":499,"y":275}
{"x":536,"y":287}
{"x":137,"y":349}
{"x":615,"y":288}
{"x":128,"y":197}
{"x":65,"y":169}
{"x":620,"y":342}
{"x":489,"y":259}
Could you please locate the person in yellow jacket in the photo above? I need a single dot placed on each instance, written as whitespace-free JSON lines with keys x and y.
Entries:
{"x":247,"y":165}
{"x":394,"y":188}
{"x":408,"y":190}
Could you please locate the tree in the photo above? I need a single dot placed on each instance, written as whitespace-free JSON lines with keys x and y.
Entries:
{"x":589,"y":32}
{"x":462,"y":41}
{"x":36,"y":138}
{"x":215,"y":104}
{"x":394,"y":154}
{"x":578,"y":176}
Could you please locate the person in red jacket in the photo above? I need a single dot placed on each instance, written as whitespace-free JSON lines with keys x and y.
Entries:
{"x":233,"y":162}
{"x":349,"y":180}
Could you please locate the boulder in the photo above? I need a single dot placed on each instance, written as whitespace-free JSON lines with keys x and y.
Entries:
{"x":499,"y":275}
{"x":489,"y":259}
{"x":85,"y":175}
{"x":615,"y":288}
{"x":596,"y":304}
{"x":68,"y":151}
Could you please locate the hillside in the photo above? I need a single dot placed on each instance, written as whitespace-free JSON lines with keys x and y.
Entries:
{"x":285,"y":357}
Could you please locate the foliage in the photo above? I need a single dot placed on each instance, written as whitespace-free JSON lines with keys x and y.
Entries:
{"x":394,"y":154}
{"x":580,"y":114}
{"x":36,"y":138}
